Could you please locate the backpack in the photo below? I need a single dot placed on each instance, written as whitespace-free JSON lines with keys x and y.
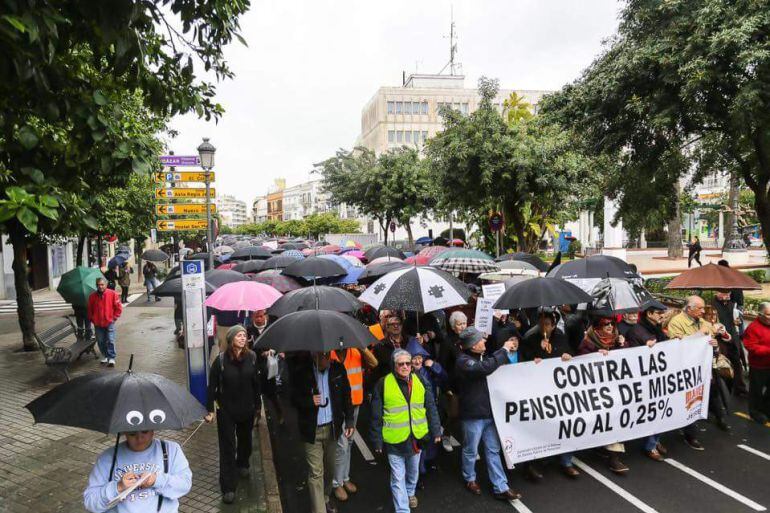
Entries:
{"x":163,"y":448}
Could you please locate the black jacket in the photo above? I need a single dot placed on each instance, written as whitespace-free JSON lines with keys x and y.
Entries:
{"x":431,"y":413}
{"x":236,"y":390}
{"x":643,"y":331}
{"x":624,"y":327}
{"x":303,"y":383}
{"x":530,"y":347}
{"x":471,"y":375}
{"x":725,"y":315}
{"x":574,"y":329}
{"x":501,"y":331}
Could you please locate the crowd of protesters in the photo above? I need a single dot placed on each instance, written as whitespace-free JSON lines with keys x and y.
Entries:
{"x":414,"y":389}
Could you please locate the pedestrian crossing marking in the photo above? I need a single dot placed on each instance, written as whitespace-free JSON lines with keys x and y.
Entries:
{"x":519,"y":506}
{"x":633,"y":499}
{"x":10,"y":306}
{"x":717,"y":486}
{"x":365,"y":452}
{"x":754,"y":451}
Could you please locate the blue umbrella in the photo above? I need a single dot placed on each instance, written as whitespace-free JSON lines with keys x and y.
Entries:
{"x":424,"y":241}
{"x":117,"y":260}
{"x":352,"y":271}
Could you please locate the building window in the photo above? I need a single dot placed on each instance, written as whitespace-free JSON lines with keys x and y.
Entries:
{"x":407,"y":107}
{"x":425,"y":136}
{"x":416,"y":136}
{"x":408,"y":136}
{"x":399,"y":136}
{"x":424,"y":108}
{"x":399,"y":107}
{"x":464,"y":108}
{"x":390,"y":107}
{"x":391,"y":136}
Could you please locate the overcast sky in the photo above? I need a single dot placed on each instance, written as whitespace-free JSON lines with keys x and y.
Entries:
{"x":311,"y":66}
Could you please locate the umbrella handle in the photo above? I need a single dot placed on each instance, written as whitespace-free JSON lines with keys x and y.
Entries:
{"x":131,"y":362}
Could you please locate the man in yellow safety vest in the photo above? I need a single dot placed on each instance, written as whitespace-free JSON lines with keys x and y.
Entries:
{"x":404,"y":417}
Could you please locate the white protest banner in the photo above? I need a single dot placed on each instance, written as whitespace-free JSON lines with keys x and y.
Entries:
{"x":555,"y":407}
{"x":493,"y":290}
{"x":483,"y":317}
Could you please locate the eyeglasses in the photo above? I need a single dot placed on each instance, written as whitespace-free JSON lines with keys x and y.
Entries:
{"x":403,"y":364}
{"x":605,"y":323}
{"x":394,"y":324}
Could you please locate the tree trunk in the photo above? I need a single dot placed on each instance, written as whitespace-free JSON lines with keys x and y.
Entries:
{"x":675,"y":230}
{"x":99,"y":251}
{"x":409,"y":236}
{"x":25,"y":308}
{"x":79,"y":254}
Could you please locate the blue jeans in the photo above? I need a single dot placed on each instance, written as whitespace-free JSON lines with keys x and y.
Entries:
{"x":565,"y":459}
{"x":105,"y":338}
{"x":474,"y":432}
{"x":404,"y":471}
{"x":651,"y":442}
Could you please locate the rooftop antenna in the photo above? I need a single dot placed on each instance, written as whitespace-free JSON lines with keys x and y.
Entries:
{"x":452,"y":48}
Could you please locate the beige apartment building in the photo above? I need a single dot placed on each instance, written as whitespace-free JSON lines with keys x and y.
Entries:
{"x":408,"y":115}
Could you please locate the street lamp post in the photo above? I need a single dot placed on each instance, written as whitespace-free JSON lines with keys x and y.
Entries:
{"x":206,"y":152}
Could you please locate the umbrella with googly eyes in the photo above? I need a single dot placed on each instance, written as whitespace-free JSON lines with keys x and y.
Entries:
{"x":118,"y":402}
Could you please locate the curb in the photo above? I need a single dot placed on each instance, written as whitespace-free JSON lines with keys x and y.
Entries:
{"x":272,"y":492}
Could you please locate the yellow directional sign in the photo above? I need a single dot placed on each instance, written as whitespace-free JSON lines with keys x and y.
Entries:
{"x":184,"y":208}
{"x":181,"y":224}
{"x":183,"y":193}
{"x":183,"y":176}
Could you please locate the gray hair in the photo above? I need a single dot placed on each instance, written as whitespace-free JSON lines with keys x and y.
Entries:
{"x":100,"y":279}
{"x":397,"y":353}
{"x":456,"y":317}
{"x":764,"y":306}
{"x":692,"y":301}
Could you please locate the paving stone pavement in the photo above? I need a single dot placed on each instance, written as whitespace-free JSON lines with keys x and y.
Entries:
{"x":45,"y":468}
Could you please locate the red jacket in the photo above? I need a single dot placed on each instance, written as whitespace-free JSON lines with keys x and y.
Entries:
{"x":104,"y":308}
{"x":756,"y":338}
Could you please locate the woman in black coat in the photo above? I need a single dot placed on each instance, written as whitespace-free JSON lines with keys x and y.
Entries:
{"x":233,"y":393}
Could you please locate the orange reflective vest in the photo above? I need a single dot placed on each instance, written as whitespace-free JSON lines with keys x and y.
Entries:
{"x":353,"y":365}
{"x":376,"y":330}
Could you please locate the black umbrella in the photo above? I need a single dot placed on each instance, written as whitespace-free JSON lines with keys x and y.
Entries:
{"x":599,"y":266}
{"x":154,"y":255}
{"x":279,"y":261}
{"x":417,"y":289}
{"x":213,"y":280}
{"x":375,"y":272}
{"x":111,"y":402}
{"x":251,"y":253}
{"x":535,"y":260}
{"x":287,"y":245}
{"x":541,"y":292}
{"x":316,"y":331}
{"x":313,"y":268}
{"x":250,"y":266}
{"x":319,"y":297}
{"x":383,"y":251}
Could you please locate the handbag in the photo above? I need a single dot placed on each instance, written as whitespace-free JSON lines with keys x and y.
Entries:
{"x":722,"y":365}
{"x":272,"y":366}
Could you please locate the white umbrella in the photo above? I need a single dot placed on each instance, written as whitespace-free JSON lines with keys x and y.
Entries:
{"x":417,"y":289}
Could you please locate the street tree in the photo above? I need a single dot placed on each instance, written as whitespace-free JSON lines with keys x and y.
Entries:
{"x":680,"y":91}
{"x":64,"y":65}
{"x":526,"y":170}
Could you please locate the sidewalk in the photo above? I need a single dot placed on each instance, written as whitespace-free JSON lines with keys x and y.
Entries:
{"x":45,"y":468}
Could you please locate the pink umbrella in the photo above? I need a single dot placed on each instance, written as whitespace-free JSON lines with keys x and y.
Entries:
{"x":356,"y":253}
{"x":418,"y":259}
{"x":432,"y":251}
{"x":242,"y":296}
{"x":308,"y":251}
{"x":227,"y":266}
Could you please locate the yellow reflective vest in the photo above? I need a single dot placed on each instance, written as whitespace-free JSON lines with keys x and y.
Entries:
{"x":399,"y":419}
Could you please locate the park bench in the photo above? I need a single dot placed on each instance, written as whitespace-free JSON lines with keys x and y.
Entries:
{"x":57,"y":350}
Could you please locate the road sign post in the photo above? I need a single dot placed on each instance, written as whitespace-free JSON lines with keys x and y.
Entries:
{"x":193,"y":296}
{"x":183,"y":208}
{"x":167,"y":225}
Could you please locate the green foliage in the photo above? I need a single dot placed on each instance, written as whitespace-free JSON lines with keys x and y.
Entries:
{"x":394,"y":186}
{"x":758,"y":275}
{"x":574,"y":248}
{"x":457,"y":233}
{"x":527,"y":170}
{"x":25,"y":208}
{"x":127,"y":212}
{"x":313,"y":226}
{"x":516,"y":109}
{"x":681,"y":88}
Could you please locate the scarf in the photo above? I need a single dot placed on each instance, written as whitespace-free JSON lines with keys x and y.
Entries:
{"x":602,"y":340}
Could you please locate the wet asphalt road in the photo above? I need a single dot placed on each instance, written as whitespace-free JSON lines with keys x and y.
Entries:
{"x":723,"y":478}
